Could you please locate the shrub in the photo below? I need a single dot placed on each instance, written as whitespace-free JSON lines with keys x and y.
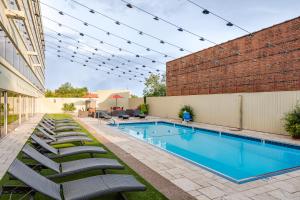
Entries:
{"x":144,"y":108}
{"x":188,"y":109}
{"x":68,"y":107}
{"x":292,"y":122}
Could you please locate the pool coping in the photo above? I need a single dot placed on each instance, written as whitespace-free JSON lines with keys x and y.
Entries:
{"x":240,"y":181}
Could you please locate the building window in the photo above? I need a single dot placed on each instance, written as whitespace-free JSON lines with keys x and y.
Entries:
{"x":13,"y":110}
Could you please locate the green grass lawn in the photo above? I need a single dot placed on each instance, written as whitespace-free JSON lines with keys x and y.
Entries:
{"x":150,"y":194}
{"x":10,"y":119}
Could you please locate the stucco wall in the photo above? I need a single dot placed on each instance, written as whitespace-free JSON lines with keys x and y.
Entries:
{"x":135,"y":102}
{"x":104,"y":102}
{"x":258,"y":111}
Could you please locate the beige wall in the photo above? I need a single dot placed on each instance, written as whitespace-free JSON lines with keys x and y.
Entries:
{"x":221,"y":109}
{"x":264,"y":111}
{"x":104,"y":102}
{"x":135,"y":102}
{"x":260,"y":111}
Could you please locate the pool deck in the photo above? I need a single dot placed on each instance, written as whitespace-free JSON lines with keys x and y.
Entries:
{"x":194,"y":180}
{"x":11,"y":145}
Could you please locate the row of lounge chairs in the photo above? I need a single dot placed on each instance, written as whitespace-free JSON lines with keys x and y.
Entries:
{"x":123,"y":114}
{"x":40,"y":149}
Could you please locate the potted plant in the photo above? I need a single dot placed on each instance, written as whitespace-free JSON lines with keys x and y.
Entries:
{"x":186,"y":108}
{"x":68,"y":107}
{"x":144,"y":108}
{"x":292,"y":122}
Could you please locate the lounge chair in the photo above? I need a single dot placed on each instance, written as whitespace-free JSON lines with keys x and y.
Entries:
{"x":68,"y":151}
{"x":71,"y":167}
{"x":59,"y":124}
{"x":129,"y":112}
{"x":61,"y":128}
{"x":137,"y":113}
{"x":123,"y":115}
{"x":105,"y":115}
{"x":61,"y":140}
{"x":59,"y":120}
{"x":59,"y":134}
{"x":86,"y":188}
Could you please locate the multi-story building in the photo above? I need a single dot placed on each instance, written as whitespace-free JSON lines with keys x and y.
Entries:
{"x":22,"y":61}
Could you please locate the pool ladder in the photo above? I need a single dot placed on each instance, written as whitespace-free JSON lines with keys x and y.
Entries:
{"x":113,"y":121}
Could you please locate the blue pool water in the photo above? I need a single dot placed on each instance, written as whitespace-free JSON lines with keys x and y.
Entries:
{"x":239,"y":159}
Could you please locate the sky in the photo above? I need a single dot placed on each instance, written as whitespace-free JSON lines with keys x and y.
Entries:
{"x":251,"y":15}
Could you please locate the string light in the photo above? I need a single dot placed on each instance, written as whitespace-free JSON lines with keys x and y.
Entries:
{"x":107,"y":32}
{"x":96,"y":49}
{"x":85,"y":65}
{"x":104,"y":63}
{"x":128,"y":26}
{"x":94,"y":38}
{"x":179,"y":29}
{"x":206,"y":12}
{"x":170,"y":23}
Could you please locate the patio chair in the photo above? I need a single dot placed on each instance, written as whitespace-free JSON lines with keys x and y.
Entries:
{"x":105,"y":115}
{"x":62,"y":140}
{"x":137,"y":113}
{"x":61,"y":128}
{"x":129,"y":112}
{"x":71,"y":167}
{"x":85,"y":188}
{"x":123,"y":115}
{"x":186,"y":117}
{"x":68,"y":151}
{"x":41,"y":127}
{"x":115,"y":113}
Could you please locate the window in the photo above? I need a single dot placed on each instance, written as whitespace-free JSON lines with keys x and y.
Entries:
{"x":13,"y":111}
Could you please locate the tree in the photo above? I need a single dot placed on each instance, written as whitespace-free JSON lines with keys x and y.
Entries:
{"x":67,"y":90}
{"x":155,"y":85}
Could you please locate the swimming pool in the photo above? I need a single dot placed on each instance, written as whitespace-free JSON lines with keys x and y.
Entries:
{"x":237,"y":158}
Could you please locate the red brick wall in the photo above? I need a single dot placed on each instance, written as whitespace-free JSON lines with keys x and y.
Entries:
{"x":259,"y":67}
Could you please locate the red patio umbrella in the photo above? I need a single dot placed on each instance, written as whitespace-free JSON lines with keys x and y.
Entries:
{"x":116,"y":96}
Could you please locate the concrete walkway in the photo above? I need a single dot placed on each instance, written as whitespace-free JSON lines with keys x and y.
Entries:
{"x":199,"y":183}
{"x":11,"y":145}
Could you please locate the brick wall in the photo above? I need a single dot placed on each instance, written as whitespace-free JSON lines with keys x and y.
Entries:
{"x":246,"y":64}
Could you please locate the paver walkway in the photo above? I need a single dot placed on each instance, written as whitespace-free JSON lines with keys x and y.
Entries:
{"x":200,"y":183}
{"x":12,"y":144}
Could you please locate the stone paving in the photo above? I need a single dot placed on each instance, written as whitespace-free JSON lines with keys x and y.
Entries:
{"x":11,"y":145}
{"x":200,"y":183}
